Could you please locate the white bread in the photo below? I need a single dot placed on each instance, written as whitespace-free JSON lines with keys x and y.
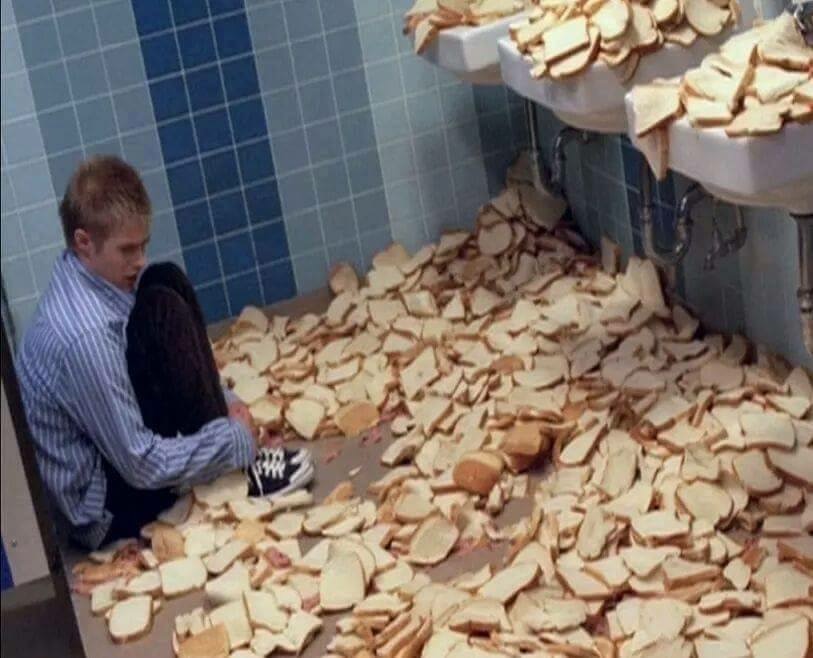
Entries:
{"x":130,"y":619}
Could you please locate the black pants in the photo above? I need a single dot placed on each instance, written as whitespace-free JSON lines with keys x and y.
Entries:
{"x":175,"y":380}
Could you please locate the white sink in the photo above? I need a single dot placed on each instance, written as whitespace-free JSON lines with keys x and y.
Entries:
{"x":470,"y":53}
{"x":767,"y":170}
{"x":594,"y":100}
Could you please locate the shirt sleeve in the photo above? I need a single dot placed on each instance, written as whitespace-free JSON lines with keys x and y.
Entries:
{"x":98,"y":394}
{"x":230,"y":395}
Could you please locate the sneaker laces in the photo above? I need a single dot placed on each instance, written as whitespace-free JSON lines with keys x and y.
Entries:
{"x":272,"y":463}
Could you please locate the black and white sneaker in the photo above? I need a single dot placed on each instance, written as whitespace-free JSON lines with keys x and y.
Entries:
{"x":278,"y":471}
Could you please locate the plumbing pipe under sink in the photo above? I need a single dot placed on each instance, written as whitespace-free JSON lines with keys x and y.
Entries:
{"x":723,"y":245}
{"x":563,"y":138}
{"x":683,"y":221}
{"x":804,"y":228}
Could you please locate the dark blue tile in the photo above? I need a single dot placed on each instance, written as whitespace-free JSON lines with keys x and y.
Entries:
{"x":205,"y":87}
{"x":495,"y":133}
{"x":213,"y":302}
{"x":201,"y":263}
{"x":59,"y":130}
{"x":637,"y":243}
{"x":232,"y":35}
{"x":193,"y":223}
{"x":255,"y":161}
{"x":40,"y":42}
{"x":27,"y":10}
{"x":263,"y":202}
{"x":344,"y":49}
{"x":217,"y":7}
{"x":302,"y":17}
{"x":212,"y":129}
{"x":220,"y":171}
{"x":169,"y":98}
{"x":633,"y":206}
{"x":337,"y":13}
{"x":151,"y":16}
{"x":358,"y":131}
{"x":371,"y":211}
{"x":631,"y":159}
{"x":228,"y":212}
{"x":185,"y":183}
{"x":49,"y":85}
{"x":236,"y":253}
{"x":78,"y":32}
{"x":278,"y":282}
{"x":188,"y":11}
{"x":488,"y":98}
{"x":160,"y":55}
{"x":197,"y":45}
{"x":240,"y":77}
{"x":666,"y":190}
{"x":177,"y":140}
{"x":244,"y":290}
{"x":248,"y":120}
{"x":664,"y":217}
{"x":271,"y":242}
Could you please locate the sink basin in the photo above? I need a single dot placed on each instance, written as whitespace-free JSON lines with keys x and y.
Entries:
{"x":594,"y":99}
{"x":767,"y":170}
{"x":470,"y":53}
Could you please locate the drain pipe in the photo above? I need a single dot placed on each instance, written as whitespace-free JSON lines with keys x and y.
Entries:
{"x":540,"y":177}
{"x":722,"y":245}
{"x":683,"y":221}
{"x":563,"y":138}
{"x":804,"y":228}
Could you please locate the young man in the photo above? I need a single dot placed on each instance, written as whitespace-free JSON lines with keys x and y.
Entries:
{"x":117,"y":374}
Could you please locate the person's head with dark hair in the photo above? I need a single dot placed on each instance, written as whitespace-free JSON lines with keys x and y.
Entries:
{"x":106,"y":216}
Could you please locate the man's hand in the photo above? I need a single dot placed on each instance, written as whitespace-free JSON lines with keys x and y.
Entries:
{"x":239,"y":411}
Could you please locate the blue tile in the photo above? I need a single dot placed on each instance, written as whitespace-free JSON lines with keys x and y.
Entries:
{"x":666,"y":190}
{"x":435,"y":189}
{"x":310,"y":59}
{"x":371,"y":211}
{"x":275,"y":68}
{"x":247,"y":119}
{"x":430,"y":151}
{"x":365,"y":171}
{"x":7,"y":203}
{"x":228,"y":212}
{"x":244,"y":290}
{"x":240,"y":77}
{"x":68,"y":5}
{"x":397,"y":161}
{"x":169,"y":98}
{"x":188,"y":11}
{"x":384,"y":81}
{"x":177,"y":140}
{"x":62,"y":167}
{"x":232,"y":35}
{"x":30,"y":183}
{"x":157,"y":185}
{"x":271,"y":242}
{"x":368,"y":9}
{"x":185,"y":182}
{"x":372,"y":243}
{"x":378,"y":40}
{"x":458,"y":104}
{"x":358,"y":131}
{"x":59,"y":130}
{"x":220,"y":172}
{"x":124,"y":65}
{"x":18,"y":279}
{"x":42,"y":264}
{"x":345,"y":252}
{"x":142,"y":149}
{"x":464,"y":141}
{"x":213,"y":302}
{"x":344,"y":49}
{"x":49,"y":86}
{"x":324,"y":141}
{"x":202,"y":264}
{"x":11,"y":237}
{"x":109,"y":146}
{"x":282,"y":111}
{"x":304,"y":232}
{"x":331,"y":182}
{"x":205,"y":88}
{"x":78,"y":32}
{"x":133,"y":108}
{"x":197,"y":45}
{"x":297,"y":192}
{"x":495,"y":133}
{"x":17,"y":98}
{"x":310,"y":271}
{"x":255,"y":161}
{"x":96,"y":120}
{"x":417,"y":73}
{"x":87,"y":76}
{"x":23,"y":141}
{"x":12,"y":53}
{"x":291,"y":151}
{"x":338,"y":221}
{"x":317,"y":101}
{"x":263,"y":202}
{"x":631,"y":158}
{"x":41,"y":227}
{"x":391,"y":122}
{"x":267,"y":26}
{"x":27,"y":10}
{"x":151,"y":16}
{"x":489,"y":99}
{"x":164,"y":237}
{"x":410,"y":234}
{"x":193,"y":223}
{"x":40,"y":42}
{"x":278,"y":282}
{"x":337,"y":13}
{"x":303,"y":18}
{"x":218,"y":7}
{"x":160,"y":55}
{"x":351,"y":91}
{"x":236,"y":253}
{"x":425,"y":111}
{"x":212,"y":130}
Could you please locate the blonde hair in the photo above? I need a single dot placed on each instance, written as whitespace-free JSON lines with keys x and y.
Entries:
{"x":104,"y":193}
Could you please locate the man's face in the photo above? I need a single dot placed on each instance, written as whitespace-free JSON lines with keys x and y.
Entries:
{"x":119,"y":258}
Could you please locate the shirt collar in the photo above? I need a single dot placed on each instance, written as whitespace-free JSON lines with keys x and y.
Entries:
{"x":118,"y":300}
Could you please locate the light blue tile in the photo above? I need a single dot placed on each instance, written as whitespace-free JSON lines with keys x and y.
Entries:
{"x":310,"y":59}
{"x":369,"y":9}
{"x":60,"y":131}
{"x":297,"y":192}
{"x":40,"y":42}
{"x":18,"y":278}
{"x":41,"y":226}
{"x":345,"y":252}
{"x":358,"y":131}
{"x":384,"y":81}
{"x":31,"y":183}
{"x":371,"y":211}
{"x":11,"y":236}
{"x":124,"y":65}
{"x":290,"y":151}
{"x":267,"y":25}
{"x":430,"y":151}
{"x":404,"y":42}
{"x":158,"y":189}
{"x":21,"y":314}
{"x":282,"y":111}
{"x":324,"y":141}
{"x":12,"y":52}
{"x":435,"y":190}
{"x":17,"y":99}
{"x":116,"y":22}
{"x":418,"y":73}
{"x":87,"y":76}
{"x":391,"y":122}
{"x":410,"y":234}
{"x":133,"y":108}
{"x":275,"y":69}
{"x":331,"y":182}
{"x":42,"y":264}
{"x":78,"y":32}
{"x":372,"y":243}
{"x":49,"y":85}
{"x":351,"y":90}
{"x":470,"y":188}
{"x":23,"y":141}
{"x":164,"y":232}
{"x":365,"y":171}
{"x":344,"y":49}
{"x":304,"y":232}
{"x":404,"y":201}
{"x":443,"y":220}
{"x":62,"y":167}
{"x":7,"y":196}
{"x":96,"y":120}
{"x":317,"y":101}
{"x":425,"y":111}
{"x":338,"y":221}
{"x":464,"y":141}
{"x":377,"y":40}
{"x":458,"y":104}
{"x":337,"y":13}
{"x":6,"y":13}
{"x":110,"y":146}
{"x":310,"y":271}
{"x":303,"y":18}
{"x":143,"y":149}
{"x":397,"y":162}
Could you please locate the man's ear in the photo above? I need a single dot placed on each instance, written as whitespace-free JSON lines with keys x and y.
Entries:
{"x":82,"y":242}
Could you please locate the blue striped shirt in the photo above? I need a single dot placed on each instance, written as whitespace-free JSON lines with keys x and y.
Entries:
{"x":81,"y":407}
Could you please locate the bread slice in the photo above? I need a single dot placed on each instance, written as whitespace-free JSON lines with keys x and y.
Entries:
{"x":341,"y":585}
{"x":654,"y":105}
{"x":506,"y":584}
{"x":704,"y":113}
{"x":233,"y":616}
{"x":229,"y":586}
{"x":182,"y":576}
{"x":612,"y":19}
{"x":706,"y":17}
{"x":225,"y":488}
{"x":304,"y":416}
{"x":130,"y":619}
{"x":566,"y":38}
{"x":264,"y":612}
{"x":356,"y":417}
{"x":433,"y":541}
{"x":477,"y":472}
{"x":209,"y":643}
{"x":225,"y":556}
